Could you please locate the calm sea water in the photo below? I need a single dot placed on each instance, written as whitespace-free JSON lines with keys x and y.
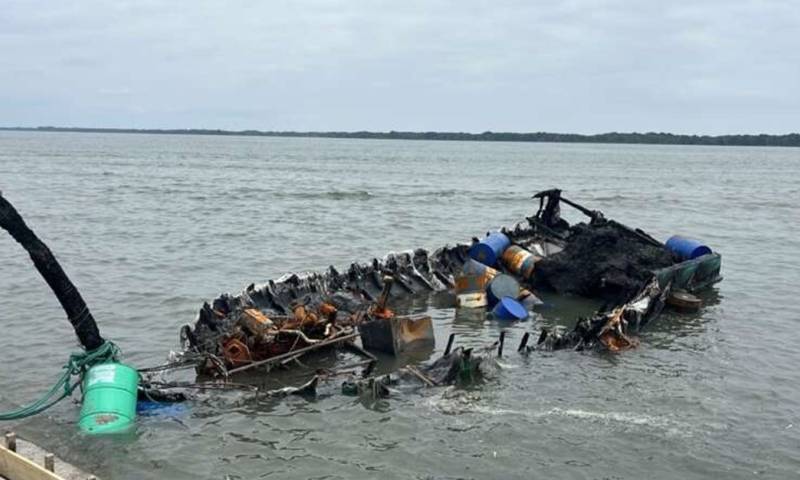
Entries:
{"x":149,"y":227}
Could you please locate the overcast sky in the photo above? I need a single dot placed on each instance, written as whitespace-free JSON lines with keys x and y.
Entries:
{"x":588,"y":66}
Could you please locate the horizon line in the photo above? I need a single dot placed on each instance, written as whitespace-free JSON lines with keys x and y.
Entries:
{"x":658,"y":138}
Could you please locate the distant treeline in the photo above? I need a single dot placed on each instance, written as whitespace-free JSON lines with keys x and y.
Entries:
{"x":763,"y":140}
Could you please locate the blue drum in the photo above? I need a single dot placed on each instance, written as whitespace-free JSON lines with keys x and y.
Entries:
{"x":686,"y":248}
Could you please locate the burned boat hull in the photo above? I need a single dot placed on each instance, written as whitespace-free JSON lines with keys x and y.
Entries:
{"x":634,"y":284}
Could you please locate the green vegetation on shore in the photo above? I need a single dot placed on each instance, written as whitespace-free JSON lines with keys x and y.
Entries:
{"x":762,"y":140}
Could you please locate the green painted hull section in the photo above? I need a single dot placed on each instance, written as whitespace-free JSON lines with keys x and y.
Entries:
{"x":692,"y":275}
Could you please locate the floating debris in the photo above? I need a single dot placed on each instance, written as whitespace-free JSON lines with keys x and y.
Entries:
{"x":275,"y":324}
{"x":684,"y":301}
{"x":603,"y":259}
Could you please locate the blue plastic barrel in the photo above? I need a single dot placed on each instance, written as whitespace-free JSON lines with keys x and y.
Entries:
{"x":686,"y":248}
{"x":150,"y":408}
{"x":489,"y":250}
{"x":501,"y":286}
{"x":509,"y":309}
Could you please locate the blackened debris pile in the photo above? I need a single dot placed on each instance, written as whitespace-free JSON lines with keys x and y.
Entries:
{"x":313,"y":310}
{"x":603,"y":259}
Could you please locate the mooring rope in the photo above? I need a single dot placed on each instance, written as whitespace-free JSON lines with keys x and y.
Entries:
{"x":76,"y":366}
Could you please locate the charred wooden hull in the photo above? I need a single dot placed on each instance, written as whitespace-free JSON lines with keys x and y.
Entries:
{"x":626,"y":266}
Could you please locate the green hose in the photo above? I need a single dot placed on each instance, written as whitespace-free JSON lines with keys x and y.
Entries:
{"x":77,"y":366}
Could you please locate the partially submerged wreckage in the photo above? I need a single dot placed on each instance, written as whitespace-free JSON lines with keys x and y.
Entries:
{"x":275,"y":324}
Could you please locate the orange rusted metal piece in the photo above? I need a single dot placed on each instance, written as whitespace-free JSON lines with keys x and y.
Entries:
{"x":474,"y":277}
{"x":300,"y":313}
{"x":254,"y":321}
{"x":616,"y":342}
{"x":380,"y":310}
{"x":328,"y":311}
{"x":236,"y":352}
{"x":519,"y":261}
{"x":612,"y":334}
{"x":382,"y":313}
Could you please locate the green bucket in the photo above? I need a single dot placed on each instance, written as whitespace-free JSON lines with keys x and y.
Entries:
{"x":109,"y":399}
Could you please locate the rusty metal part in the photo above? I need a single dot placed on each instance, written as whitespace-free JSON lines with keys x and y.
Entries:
{"x":329,"y":311}
{"x":255,"y":322}
{"x":519,"y":261}
{"x":278,"y":358}
{"x":379,"y":309}
{"x":397,"y":334}
{"x":612,"y":335}
{"x":236,"y":352}
{"x":302,"y":335}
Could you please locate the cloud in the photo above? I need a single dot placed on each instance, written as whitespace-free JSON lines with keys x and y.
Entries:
{"x":580,"y":65}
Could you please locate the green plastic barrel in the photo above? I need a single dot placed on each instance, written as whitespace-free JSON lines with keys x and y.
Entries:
{"x":109,"y":399}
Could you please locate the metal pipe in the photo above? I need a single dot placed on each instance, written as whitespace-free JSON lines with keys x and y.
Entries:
{"x":524,"y":342}
{"x":502,"y":341}
{"x":449,"y":343}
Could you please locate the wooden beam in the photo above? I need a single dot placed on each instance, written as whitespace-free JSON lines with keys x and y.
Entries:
{"x":16,"y":467}
{"x":50,"y":462}
{"x":11,"y":441}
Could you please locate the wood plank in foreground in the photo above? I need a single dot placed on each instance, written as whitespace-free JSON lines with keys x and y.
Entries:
{"x":16,"y":467}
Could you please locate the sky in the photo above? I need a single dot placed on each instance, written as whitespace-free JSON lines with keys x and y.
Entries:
{"x":578,"y":66}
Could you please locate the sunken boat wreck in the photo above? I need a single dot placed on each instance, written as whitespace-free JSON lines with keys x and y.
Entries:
{"x":238,"y":340}
{"x":273,"y":325}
